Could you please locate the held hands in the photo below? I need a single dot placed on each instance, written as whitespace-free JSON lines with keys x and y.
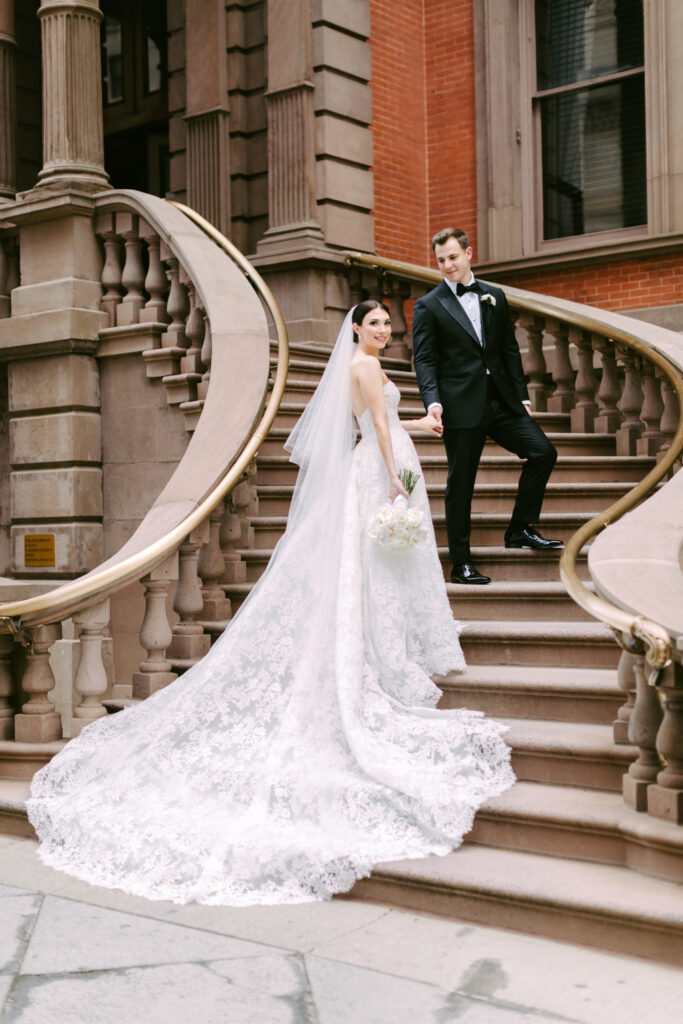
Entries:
{"x":431,"y":423}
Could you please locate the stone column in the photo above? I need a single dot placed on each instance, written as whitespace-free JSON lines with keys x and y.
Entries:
{"x":73,"y":146}
{"x":320,"y":184}
{"x":207,"y":113}
{"x":8,"y":124}
{"x":291,"y":139}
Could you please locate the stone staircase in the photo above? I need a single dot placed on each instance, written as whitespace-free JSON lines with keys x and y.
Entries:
{"x":560,"y":854}
{"x":553,"y":856}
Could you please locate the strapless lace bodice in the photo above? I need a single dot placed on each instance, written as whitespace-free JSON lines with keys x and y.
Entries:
{"x":392,"y":396}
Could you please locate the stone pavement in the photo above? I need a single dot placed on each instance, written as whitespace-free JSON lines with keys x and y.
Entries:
{"x":71,"y":953}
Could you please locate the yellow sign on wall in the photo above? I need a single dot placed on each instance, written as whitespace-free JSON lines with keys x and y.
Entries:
{"x":39,"y":549}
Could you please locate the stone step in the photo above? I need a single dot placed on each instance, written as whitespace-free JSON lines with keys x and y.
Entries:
{"x":13,"y":820}
{"x":488,"y":528}
{"x":515,"y":598}
{"x":556,"y":693}
{"x":566,"y":444}
{"x":278,"y":469}
{"x":566,"y":821}
{"x":561,"y":498}
{"x":500,"y":563}
{"x":290,"y":411}
{"x":312,"y":351}
{"x":567,"y":753}
{"x":22,"y":760}
{"x":599,"y":905}
{"x":516,"y":642}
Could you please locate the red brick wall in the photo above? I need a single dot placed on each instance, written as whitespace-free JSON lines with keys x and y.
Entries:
{"x":451,"y":142}
{"x":423,"y":123}
{"x":636,"y":283}
{"x":399,"y":129}
{"x":425,"y":156}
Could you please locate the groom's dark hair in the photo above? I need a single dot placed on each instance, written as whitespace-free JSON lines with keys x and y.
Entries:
{"x":441,"y":237}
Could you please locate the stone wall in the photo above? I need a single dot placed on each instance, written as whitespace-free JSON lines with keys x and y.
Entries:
{"x":5,"y":551}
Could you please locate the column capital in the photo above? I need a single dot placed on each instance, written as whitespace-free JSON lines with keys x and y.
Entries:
{"x":70,"y":7}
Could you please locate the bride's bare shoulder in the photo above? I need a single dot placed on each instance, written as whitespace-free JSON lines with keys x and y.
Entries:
{"x":364,"y":367}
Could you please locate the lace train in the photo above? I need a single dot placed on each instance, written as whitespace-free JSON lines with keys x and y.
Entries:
{"x":304,"y":749}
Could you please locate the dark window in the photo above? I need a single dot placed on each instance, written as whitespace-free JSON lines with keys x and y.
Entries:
{"x":135,"y":94}
{"x":591,"y":102}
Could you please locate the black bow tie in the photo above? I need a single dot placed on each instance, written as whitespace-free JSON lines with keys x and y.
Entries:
{"x":462,"y":288}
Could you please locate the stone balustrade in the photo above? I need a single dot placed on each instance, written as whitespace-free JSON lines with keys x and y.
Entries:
{"x":605,"y":386}
{"x":161,"y":280}
{"x":153,"y":305}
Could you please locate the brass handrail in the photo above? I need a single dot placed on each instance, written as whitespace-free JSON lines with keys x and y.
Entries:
{"x":54,"y":605}
{"x":655,"y":637}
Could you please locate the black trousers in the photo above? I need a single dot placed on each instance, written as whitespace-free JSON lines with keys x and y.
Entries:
{"x":516,"y":433}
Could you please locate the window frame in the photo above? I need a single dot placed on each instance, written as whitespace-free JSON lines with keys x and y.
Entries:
{"x":534,"y":99}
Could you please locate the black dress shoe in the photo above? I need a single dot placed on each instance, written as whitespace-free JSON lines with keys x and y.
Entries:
{"x":531,"y":538}
{"x":466,"y":573}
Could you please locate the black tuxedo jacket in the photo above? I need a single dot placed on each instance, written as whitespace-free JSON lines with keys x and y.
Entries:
{"x":451,"y":364}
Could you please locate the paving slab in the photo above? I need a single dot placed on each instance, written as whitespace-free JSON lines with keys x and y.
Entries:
{"x":211,"y":993}
{"x":69,"y":936}
{"x":71,"y":953}
{"x":17,"y":917}
{"x":345,"y":994}
{"x":523,"y":970}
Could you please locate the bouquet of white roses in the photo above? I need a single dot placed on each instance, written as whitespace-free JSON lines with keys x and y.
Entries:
{"x":396,"y":526}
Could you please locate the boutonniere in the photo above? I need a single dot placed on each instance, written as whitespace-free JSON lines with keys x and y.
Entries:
{"x":488,"y":298}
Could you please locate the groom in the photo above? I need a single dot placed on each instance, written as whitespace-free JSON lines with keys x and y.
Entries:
{"x":470,"y":375}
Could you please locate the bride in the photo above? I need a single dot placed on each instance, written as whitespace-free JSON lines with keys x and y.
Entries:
{"x":306,"y":747}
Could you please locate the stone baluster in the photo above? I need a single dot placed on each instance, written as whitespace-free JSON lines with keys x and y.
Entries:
{"x":665,"y":798}
{"x":91,"y":675}
{"x":177,"y":306}
{"x":133,"y":276}
{"x":155,"y":633}
{"x":582,"y":416}
{"x":216,"y":606}
{"x":534,"y":361}
{"x":156,"y":282}
{"x":190,"y":642}
{"x":39,"y":721}
{"x":207,"y":352}
{"x":6,"y":687}
{"x":191,"y":362}
{"x":356,"y":286}
{"x":651,"y":413}
{"x":13,"y":275}
{"x":113,"y":265}
{"x":563,"y":397}
{"x":4,"y":277}
{"x":399,"y":347}
{"x":609,"y":392}
{"x":670,"y":413}
{"x":626,"y":679}
{"x":236,"y":532}
{"x":630,"y":403}
{"x":646,"y":717}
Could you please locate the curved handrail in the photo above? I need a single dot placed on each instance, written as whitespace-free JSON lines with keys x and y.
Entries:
{"x":96,"y":585}
{"x":619,"y":329}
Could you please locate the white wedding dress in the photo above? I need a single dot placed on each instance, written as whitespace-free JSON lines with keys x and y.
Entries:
{"x":304,"y":748}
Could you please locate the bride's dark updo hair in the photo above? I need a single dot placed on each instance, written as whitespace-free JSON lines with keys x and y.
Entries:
{"x":361,"y":311}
